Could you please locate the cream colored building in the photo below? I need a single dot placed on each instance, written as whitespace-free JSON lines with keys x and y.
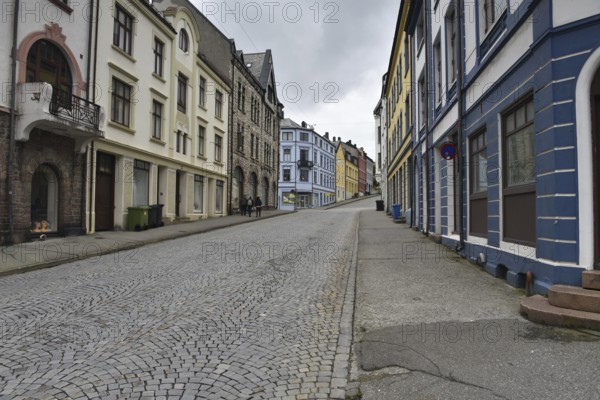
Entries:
{"x":166,"y":132}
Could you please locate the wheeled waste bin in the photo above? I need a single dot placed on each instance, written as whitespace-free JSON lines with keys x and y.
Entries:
{"x":137,"y":218}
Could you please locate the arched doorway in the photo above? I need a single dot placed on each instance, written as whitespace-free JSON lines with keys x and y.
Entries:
{"x":595,"y":111}
{"x":265,"y":195}
{"x":47,"y":63}
{"x":253,"y":185}
{"x":237,"y":186}
{"x":44,"y":200}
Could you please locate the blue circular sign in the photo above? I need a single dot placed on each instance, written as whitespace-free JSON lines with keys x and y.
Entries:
{"x":448,"y":151}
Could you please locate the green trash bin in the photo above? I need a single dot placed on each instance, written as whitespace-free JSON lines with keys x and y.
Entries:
{"x":137,"y":218}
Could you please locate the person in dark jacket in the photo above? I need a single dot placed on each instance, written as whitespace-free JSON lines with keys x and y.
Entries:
{"x":258,"y":205}
{"x":243,"y":206}
{"x":249,"y":206}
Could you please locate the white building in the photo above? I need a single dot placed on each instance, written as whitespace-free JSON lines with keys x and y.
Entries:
{"x":307,"y":167}
{"x":166,"y":135}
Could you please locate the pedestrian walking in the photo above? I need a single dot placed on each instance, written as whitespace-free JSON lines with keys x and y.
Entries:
{"x":243,"y":206}
{"x":258,"y":205}
{"x":249,"y":206}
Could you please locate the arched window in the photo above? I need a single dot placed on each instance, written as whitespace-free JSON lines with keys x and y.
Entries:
{"x":47,"y":63}
{"x":184,"y":40}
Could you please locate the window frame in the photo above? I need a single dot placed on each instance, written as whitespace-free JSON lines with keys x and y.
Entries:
{"x":518,"y":200}
{"x":122,"y":99}
{"x":202,"y":92}
{"x":182,"y":82}
{"x":201,"y":141}
{"x":157,"y":118}
{"x":123,"y":27}
{"x":218,"y":104}
{"x":218,"y":148}
{"x":159,"y":48}
{"x":184,"y":41}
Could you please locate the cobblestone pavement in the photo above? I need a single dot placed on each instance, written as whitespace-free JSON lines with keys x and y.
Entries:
{"x":249,"y":312}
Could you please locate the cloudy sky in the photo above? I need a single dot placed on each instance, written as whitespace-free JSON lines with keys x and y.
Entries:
{"x":329,"y":56}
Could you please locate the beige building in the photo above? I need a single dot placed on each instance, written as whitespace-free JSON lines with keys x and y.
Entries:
{"x":166,"y":133}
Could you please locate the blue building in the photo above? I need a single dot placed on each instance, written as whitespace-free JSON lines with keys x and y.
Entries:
{"x":307,"y":167}
{"x":515,"y":87}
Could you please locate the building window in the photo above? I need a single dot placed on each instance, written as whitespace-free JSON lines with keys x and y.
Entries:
{"x":490,"y":12}
{"x":218,"y":148}
{"x":184,"y":40}
{"x":158,"y":57}
{"x":287,"y":136}
{"x":181,"y":142}
{"x":478,"y":185}
{"x":251,"y":145}
{"x":219,"y":198}
{"x":218,"y":104}
{"x":287,"y":155}
{"x":122,"y":30}
{"x":121,"y":102}
{"x":201,"y":140}
{"x":304,"y":154}
{"x":519,"y":175}
{"x":141,"y":182}
{"x":420,"y":31}
{"x":304,"y":136}
{"x":157,"y":119}
{"x":287,"y":174}
{"x":182,"y":92}
{"x":451,"y":47}
{"x":240,"y":137}
{"x":202,"y":92}
{"x":422,"y":101}
{"x":243,"y":99}
{"x":303,"y":175}
{"x":198,"y":193}
{"x":437,"y":73}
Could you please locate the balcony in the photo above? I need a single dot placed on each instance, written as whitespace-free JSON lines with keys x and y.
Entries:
{"x":305,"y":164}
{"x":47,"y":108}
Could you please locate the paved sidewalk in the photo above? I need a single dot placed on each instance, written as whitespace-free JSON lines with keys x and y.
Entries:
{"x":33,"y":255}
{"x":430,"y":325}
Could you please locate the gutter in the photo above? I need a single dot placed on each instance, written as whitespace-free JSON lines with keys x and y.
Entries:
{"x":12,"y":125}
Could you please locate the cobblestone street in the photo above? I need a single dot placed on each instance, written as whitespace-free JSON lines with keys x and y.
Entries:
{"x":248,"y":312}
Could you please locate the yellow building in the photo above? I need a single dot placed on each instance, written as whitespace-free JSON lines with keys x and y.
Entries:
{"x":399,"y":116}
{"x":346,"y":173}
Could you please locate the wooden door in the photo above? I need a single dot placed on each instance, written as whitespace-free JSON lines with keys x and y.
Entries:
{"x":105,"y":192}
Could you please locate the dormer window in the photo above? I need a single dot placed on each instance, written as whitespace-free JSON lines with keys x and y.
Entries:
{"x":184,"y":40}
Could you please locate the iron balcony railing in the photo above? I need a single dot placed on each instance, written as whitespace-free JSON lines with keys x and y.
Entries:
{"x":73,"y":108}
{"x":305,"y":164}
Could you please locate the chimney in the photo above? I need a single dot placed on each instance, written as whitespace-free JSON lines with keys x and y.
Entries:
{"x":327,"y":136}
{"x":303,"y":124}
{"x":334,"y":139}
{"x":349,"y":142}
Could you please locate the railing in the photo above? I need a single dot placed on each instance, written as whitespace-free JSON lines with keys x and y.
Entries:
{"x":305,"y":164}
{"x":74,"y":108}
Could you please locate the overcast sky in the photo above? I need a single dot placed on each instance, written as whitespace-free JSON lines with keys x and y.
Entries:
{"x":329,"y":56}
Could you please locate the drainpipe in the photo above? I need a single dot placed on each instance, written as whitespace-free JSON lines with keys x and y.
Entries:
{"x":12,"y":125}
{"x":426,"y":83}
{"x":87,"y":97}
{"x":460,"y":133}
{"x":230,"y":140}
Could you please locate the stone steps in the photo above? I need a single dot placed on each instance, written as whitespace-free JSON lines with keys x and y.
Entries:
{"x":574,"y":298}
{"x":591,"y":280}
{"x":568,"y":306}
{"x":538,"y":309}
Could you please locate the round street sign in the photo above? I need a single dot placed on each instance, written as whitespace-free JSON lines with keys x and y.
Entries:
{"x":448,"y":151}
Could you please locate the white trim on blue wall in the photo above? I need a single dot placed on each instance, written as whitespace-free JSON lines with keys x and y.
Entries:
{"x":584,"y":159}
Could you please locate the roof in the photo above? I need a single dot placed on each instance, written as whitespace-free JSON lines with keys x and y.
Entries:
{"x":288,"y":123}
{"x":259,"y":65}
